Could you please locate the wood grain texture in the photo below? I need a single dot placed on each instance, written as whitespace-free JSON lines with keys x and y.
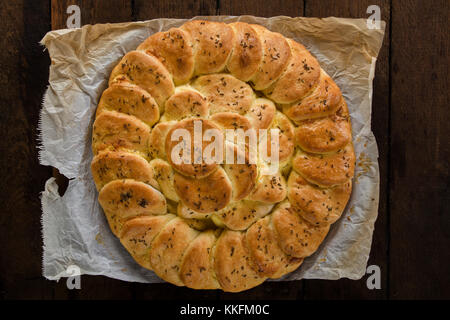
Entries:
{"x":344,"y":288}
{"x":146,"y":10}
{"x":92,"y":11}
{"x":292,"y":8}
{"x":420,"y":152}
{"x":23,"y":81}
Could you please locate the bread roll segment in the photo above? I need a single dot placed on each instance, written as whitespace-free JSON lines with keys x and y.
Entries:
{"x":241,"y":214}
{"x":125,"y":199}
{"x":232,"y":263}
{"x":322,"y":101}
{"x":117,"y":131}
{"x":174,"y":49}
{"x":261,"y":113}
{"x":147,"y":72}
{"x":212,"y":43}
{"x":168,"y":248}
{"x":156,"y":144}
{"x":267,"y":256}
{"x":317,"y":205}
{"x":185,"y":103}
{"x":326,"y":170}
{"x":325,"y":135}
{"x":204,"y":195}
{"x":225,"y":93}
{"x":129,"y":99}
{"x":197,"y":269}
{"x":113,"y":165}
{"x":197,"y":165}
{"x":227,"y":226}
{"x":137,"y":236}
{"x":296,"y":237}
{"x":300,"y":77}
{"x":163,"y":173}
{"x":247,"y":52}
{"x":276,"y":55}
{"x":269,"y":189}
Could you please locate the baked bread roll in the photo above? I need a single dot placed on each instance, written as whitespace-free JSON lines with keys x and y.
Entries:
{"x":208,"y":224}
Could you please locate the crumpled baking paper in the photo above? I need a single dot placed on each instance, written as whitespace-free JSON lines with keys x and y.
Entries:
{"x":75,"y":230}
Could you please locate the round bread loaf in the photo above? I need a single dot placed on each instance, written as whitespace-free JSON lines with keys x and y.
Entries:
{"x":212,"y":225}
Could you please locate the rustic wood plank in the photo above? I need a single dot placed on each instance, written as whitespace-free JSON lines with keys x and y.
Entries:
{"x":292,"y":8}
{"x":92,"y":11}
{"x":23,"y":79}
{"x":146,"y":10}
{"x":269,"y":290}
{"x":345,"y":288}
{"x":166,"y":291}
{"x":285,"y":290}
{"x":420,"y":152}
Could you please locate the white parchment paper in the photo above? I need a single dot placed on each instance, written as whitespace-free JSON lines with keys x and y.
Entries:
{"x":75,"y":230}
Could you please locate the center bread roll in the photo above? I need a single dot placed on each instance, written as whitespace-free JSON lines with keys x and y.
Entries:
{"x":209,"y":222}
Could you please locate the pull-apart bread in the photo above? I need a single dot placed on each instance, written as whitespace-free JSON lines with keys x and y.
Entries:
{"x":209,"y":225}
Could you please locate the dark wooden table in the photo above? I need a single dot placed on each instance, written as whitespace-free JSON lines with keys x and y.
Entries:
{"x":410,"y":121}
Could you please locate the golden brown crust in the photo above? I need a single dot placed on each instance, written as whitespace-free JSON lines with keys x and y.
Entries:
{"x":197,"y":165}
{"x":241,"y":214}
{"x":113,"y":165}
{"x":230,"y":120}
{"x":174,"y":49}
{"x":127,"y":198}
{"x":318,"y":206}
{"x":242,"y":173}
{"x":199,"y":224}
{"x":146,"y":72}
{"x":300,"y":77}
{"x":137,"y":236}
{"x":326,"y":170}
{"x":117,"y":131}
{"x":129,"y":99}
{"x":243,"y":179}
{"x":261,"y":113}
{"x":247,"y":52}
{"x":323,"y":101}
{"x":296,"y":236}
{"x":187,"y":213}
{"x":164,"y":175}
{"x":185,"y":103}
{"x":267,"y":256}
{"x":276,"y":55}
{"x":225,"y":93}
{"x":168,"y":248}
{"x":291,"y":265}
{"x":237,"y":223}
{"x":269,"y":189}
{"x":197,"y":269}
{"x":213,"y":42}
{"x":285,"y":137}
{"x":232,"y":263}
{"x":156,"y":144}
{"x":325,"y":135}
{"x":204,"y":195}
